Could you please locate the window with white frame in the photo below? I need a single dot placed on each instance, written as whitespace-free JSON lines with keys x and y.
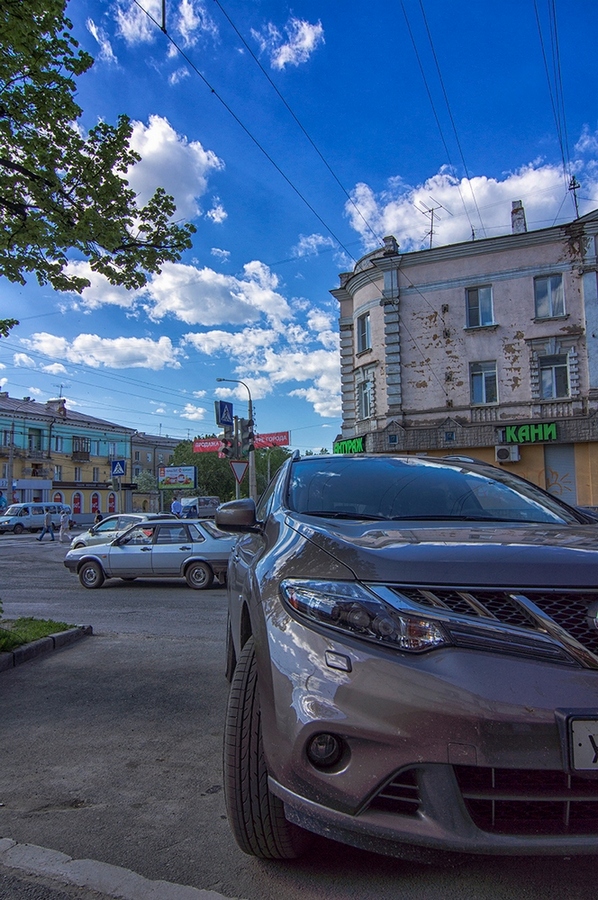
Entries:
{"x":57,"y":473}
{"x":78,"y":473}
{"x":59,"y":443}
{"x":549,"y":297}
{"x":482,"y":376}
{"x":95,"y":473}
{"x":365,"y":399}
{"x":554,"y":376}
{"x":364,"y":341}
{"x":479,"y":307}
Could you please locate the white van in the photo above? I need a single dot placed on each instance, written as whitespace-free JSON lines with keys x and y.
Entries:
{"x":19,"y":517}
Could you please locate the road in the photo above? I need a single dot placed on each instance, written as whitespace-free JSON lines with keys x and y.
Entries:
{"x":110,"y":750}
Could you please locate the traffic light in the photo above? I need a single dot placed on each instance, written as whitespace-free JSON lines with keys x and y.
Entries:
{"x":226,"y":448}
{"x":247,"y":436}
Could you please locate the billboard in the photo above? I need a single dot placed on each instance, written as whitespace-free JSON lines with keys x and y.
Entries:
{"x":274,"y":439}
{"x":207,"y":445}
{"x":173,"y":477}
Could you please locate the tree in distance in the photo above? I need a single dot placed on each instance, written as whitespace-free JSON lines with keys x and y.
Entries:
{"x":63,"y":192}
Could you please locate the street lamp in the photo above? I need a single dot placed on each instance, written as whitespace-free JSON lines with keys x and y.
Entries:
{"x":250,"y":455}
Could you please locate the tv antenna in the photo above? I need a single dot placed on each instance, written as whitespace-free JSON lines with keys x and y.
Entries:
{"x":430,"y":211}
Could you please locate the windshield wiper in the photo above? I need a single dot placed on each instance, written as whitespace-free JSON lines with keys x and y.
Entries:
{"x":335,"y":514}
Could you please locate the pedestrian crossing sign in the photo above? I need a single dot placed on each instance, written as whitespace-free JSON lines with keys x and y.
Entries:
{"x":118,"y":467}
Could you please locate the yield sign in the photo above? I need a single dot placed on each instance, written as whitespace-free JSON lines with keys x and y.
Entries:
{"x":239,"y":468}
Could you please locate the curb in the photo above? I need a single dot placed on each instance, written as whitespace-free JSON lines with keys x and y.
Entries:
{"x":108,"y":880}
{"x":11,"y":658}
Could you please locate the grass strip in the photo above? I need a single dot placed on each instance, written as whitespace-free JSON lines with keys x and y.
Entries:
{"x":23,"y":631}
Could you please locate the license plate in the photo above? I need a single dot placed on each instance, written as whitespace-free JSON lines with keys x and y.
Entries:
{"x":584,"y":743}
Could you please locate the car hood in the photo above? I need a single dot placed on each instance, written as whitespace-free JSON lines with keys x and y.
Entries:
{"x":461,"y":553}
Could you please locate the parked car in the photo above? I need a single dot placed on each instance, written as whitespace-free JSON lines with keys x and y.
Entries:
{"x":413,"y":650}
{"x":110,"y":527}
{"x":156,"y":548}
{"x":20,"y":517}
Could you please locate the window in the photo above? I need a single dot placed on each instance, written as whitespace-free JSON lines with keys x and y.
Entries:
{"x":37,"y":470}
{"x":483,"y":382}
{"x":34,"y":439}
{"x":81,"y":444}
{"x":57,"y":473}
{"x":554,"y":376}
{"x":78,"y":473}
{"x":95,"y":473}
{"x":112,"y":449}
{"x":365,"y":403}
{"x":363,"y":333}
{"x":549,"y":297}
{"x":59,"y":443}
{"x":136,"y":455}
{"x":148,"y":457}
{"x":479,"y":307}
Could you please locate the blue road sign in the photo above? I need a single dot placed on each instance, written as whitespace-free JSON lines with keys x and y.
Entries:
{"x":118,"y":467}
{"x":224,"y":413}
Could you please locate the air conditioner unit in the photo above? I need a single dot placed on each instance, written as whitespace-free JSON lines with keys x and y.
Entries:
{"x":506,"y":453}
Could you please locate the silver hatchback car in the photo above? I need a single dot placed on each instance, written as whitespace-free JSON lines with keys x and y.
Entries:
{"x":413,"y":650}
{"x":157,"y":548}
{"x":110,"y":527}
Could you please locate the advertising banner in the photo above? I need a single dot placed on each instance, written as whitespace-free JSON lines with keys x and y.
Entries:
{"x":207,"y":445}
{"x":275,"y":439}
{"x":171,"y":477}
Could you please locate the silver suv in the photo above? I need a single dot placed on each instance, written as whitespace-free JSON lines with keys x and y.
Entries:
{"x":413,"y":651}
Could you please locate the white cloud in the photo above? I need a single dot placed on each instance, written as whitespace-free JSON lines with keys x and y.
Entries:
{"x":106,"y":53}
{"x":169,"y":160}
{"x":205,"y":297}
{"x":133,"y":24}
{"x":24,"y":361}
{"x":3,"y":382}
{"x":54,"y":369}
{"x":194,"y":413}
{"x":481,"y":204}
{"x":220,"y":254}
{"x":218,"y":213}
{"x":37,"y":392}
{"x":101,"y":292}
{"x":245,"y":344}
{"x":199,"y":394}
{"x":312,"y":244}
{"x":178,"y":75}
{"x":114,"y":353}
{"x":193,"y":19}
{"x":300,"y":40}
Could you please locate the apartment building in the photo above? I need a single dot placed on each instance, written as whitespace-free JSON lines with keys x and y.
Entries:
{"x":50,"y":452}
{"x":485,"y":349}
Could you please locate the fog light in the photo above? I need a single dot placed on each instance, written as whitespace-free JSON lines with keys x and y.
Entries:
{"x":325,"y":750}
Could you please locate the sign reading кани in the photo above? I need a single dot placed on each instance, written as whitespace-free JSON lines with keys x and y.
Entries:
{"x":530,"y":434}
{"x":351,"y":445}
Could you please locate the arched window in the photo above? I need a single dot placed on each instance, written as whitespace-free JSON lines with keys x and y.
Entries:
{"x":57,"y":497}
{"x":111,"y":502}
{"x":77,"y":502}
{"x":95,"y":502}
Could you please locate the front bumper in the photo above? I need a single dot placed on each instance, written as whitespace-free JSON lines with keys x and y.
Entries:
{"x":449,"y":718}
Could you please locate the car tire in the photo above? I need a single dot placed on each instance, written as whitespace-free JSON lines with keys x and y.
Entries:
{"x":18,"y":529}
{"x":199,"y":576}
{"x":256,"y":816}
{"x":91,"y":575}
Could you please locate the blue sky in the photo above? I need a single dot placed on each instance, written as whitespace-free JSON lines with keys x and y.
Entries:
{"x":296,"y":136}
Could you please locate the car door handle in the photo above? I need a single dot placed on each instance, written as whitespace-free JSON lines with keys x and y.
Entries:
{"x":146,"y":549}
{"x":185,"y":548}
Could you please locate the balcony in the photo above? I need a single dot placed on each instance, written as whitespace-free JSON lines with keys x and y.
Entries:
{"x":80,"y":456}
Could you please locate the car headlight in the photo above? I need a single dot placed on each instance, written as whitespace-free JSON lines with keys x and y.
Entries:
{"x":350,"y":608}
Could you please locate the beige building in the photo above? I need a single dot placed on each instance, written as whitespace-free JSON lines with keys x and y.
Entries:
{"x":484,"y":349}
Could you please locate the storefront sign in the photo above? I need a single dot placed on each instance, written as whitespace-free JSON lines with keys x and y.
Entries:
{"x":530,"y":434}
{"x":351,"y":445}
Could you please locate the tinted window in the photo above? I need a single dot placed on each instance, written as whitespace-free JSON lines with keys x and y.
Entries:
{"x":391,"y":488}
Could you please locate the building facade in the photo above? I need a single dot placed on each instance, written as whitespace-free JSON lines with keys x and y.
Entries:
{"x":49,"y":452}
{"x":486,"y":349}
{"x":150,"y":453}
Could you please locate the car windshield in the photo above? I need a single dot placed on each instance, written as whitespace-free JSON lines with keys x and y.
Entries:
{"x":12,"y":511}
{"x":411,"y":488}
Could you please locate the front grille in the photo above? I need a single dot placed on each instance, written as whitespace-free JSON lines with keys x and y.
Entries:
{"x":529,"y":801}
{"x":400,"y":795}
{"x":573,"y":611}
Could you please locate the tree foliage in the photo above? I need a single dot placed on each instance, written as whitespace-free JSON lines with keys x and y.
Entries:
{"x":61,"y":190}
{"x":215,"y":477}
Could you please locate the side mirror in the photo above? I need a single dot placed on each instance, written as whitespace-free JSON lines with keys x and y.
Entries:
{"x":238,"y":515}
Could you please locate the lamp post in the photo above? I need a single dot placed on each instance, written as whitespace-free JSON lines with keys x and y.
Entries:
{"x":250,"y":455}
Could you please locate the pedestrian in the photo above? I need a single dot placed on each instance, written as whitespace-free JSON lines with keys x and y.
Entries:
{"x":176,"y":507}
{"x":48,"y":526}
{"x":2,"y":502}
{"x":64,"y":526}
{"x":98,"y":518}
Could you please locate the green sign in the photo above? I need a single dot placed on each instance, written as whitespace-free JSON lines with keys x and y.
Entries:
{"x":530,"y":434}
{"x":351,"y":445}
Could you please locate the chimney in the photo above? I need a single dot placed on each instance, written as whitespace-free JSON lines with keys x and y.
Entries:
{"x":57,"y":406}
{"x":518,"y":223}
